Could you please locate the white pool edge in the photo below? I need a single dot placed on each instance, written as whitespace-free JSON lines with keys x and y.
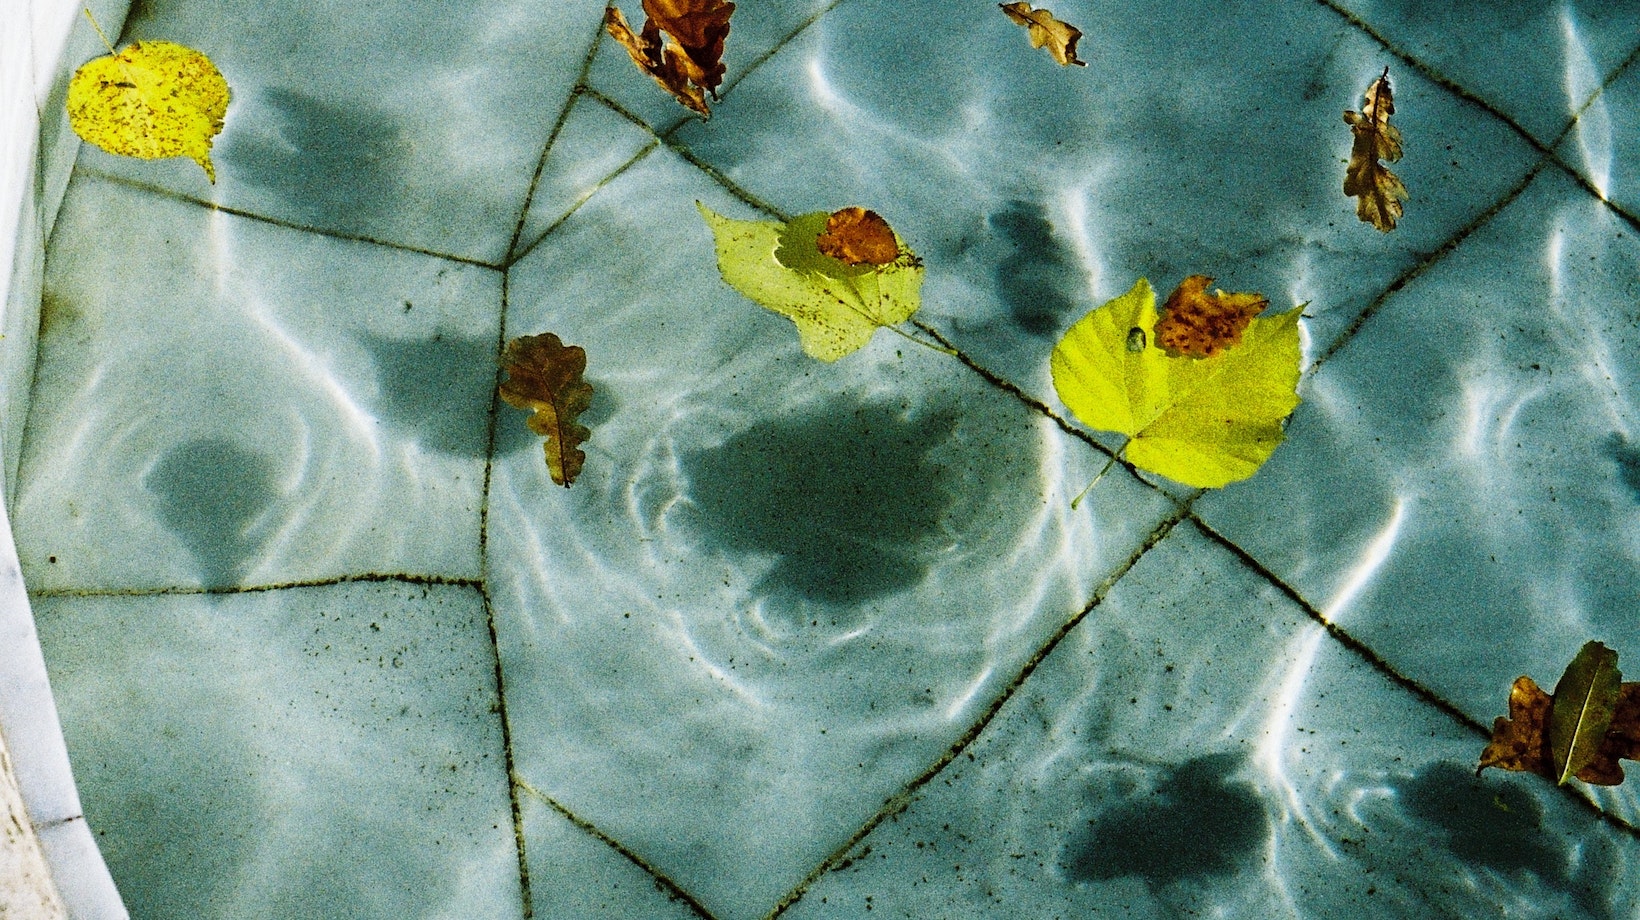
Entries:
{"x":37,"y":37}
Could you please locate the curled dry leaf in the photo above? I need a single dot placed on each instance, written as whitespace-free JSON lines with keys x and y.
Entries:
{"x":1059,"y":37}
{"x":544,"y":375}
{"x":858,"y":237}
{"x":688,"y":61}
{"x":1199,"y":324}
{"x":151,"y":100}
{"x":1378,"y":192}
{"x":1590,"y":723}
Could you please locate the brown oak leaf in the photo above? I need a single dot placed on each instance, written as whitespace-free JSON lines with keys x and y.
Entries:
{"x":1059,"y":37}
{"x":858,"y":237}
{"x":1196,"y":323}
{"x":687,"y":61}
{"x":1522,"y":741}
{"x":1378,"y":192}
{"x":544,"y":375}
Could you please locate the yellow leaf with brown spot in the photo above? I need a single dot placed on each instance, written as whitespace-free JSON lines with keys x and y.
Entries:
{"x":151,"y":100}
{"x":1378,"y":192}
{"x":544,"y":375}
{"x":1059,"y":38}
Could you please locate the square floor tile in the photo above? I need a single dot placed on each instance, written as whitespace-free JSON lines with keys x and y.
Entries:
{"x":323,"y":412}
{"x":1035,"y":191}
{"x":781,"y":588}
{"x":1459,"y":487}
{"x":1197,"y":747}
{"x":320,"y":752}
{"x":413,"y":122}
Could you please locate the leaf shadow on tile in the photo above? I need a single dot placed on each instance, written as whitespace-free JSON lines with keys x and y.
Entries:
{"x":211,"y":492}
{"x":1197,"y":822}
{"x":331,"y":167}
{"x":1491,"y":822}
{"x":847,"y":497}
{"x":1627,"y":457}
{"x":1038,"y":280}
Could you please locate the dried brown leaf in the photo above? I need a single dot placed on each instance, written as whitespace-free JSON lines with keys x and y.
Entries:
{"x":1522,"y":741}
{"x":681,"y":46}
{"x":857,"y":236}
{"x":1199,"y":324}
{"x":1059,"y":37}
{"x":1378,"y":192}
{"x":544,"y":375}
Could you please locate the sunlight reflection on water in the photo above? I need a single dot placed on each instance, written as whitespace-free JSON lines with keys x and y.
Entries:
{"x":1594,"y":124}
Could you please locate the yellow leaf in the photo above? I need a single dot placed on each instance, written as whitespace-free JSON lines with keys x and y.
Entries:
{"x":151,"y":100}
{"x":1205,"y":422}
{"x":1059,"y":37}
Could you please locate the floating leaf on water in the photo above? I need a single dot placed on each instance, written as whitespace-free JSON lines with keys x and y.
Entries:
{"x":836,"y":306}
{"x":681,"y":46}
{"x":1590,"y":723}
{"x":544,"y":375}
{"x":1205,"y":422}
{"x":1378,"y":191}
{"x":1058,"y":37}
{"x":150,"y":100}
{"x":858,"y":237}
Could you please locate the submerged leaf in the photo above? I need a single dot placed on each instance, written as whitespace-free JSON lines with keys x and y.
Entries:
{"x":1205,"y":422}
{"x":1590,"y":723}
{"x":688,"y":61}
{"x":151,"y":100}
{"x":544,"y":375}
{"x":1059,"y":37}
{"x":836,"y":306}
{"x":1378,"y":191}
{"x":1200,"y":324}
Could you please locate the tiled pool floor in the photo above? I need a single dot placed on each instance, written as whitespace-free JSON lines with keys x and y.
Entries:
{"x":828,"y":640}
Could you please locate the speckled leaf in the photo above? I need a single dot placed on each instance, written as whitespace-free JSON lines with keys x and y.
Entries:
{"x":1581,"y":713}
{"x":151,"y":100}
{"x":1378,"y":192}
{"x":544,"y":375}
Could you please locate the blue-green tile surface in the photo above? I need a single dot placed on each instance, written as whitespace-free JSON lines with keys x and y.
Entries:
{"x":826,"y":640}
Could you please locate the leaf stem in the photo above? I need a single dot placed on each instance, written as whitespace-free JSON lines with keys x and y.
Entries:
{"x":939,"y":348}
{"x":1101,"y":475}
{"x":108,"y":44}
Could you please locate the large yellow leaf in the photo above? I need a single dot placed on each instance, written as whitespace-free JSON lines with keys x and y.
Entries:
{"x":151,"y":100}
{"x":1205,"y":422}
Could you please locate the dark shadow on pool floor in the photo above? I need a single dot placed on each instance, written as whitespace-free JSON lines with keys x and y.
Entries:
{"x":210,"y":492}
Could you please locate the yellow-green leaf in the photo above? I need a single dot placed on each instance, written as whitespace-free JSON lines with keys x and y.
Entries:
{"x":1205,"y":422}
{"x":1581,"y":714}
{"x":151,"y":100}
{"x":835,"y":305}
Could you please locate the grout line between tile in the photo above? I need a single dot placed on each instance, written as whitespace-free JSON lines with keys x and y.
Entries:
{"x":672,"y":889}
{"x":520,"y":844}
{"x":1365,"y":652}
{"x":552,"y":138}
{"x":161,"y":191}
{"x":552,"y":228}
{"x":901,"y":800}
{"x":442,"y":581}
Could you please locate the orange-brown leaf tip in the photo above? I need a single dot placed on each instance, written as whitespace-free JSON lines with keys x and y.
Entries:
{"x":544,"y":375}
{"x":1059,"y":37}
{"x":1378,"y":192}
{"x":1199,"y":324}
{"x":858,"y":237}
{"x":681,"y":46}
